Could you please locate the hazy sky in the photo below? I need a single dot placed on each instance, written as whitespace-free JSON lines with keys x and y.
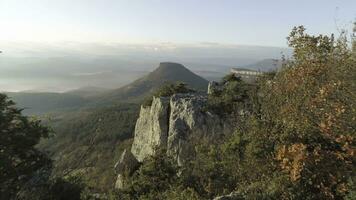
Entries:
{"x":251,"y":22}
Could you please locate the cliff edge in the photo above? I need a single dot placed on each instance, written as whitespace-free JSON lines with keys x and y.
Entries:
{"x":169,"y":123}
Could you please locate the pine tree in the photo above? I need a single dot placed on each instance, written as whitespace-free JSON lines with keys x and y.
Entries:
{"x":20,"y":161}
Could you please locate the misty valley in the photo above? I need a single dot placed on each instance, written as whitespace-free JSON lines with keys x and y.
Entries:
{"x":118,"y":100}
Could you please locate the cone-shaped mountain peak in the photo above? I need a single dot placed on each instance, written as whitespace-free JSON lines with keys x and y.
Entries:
{"x":173,"y":72}
{"x":167,"y":72}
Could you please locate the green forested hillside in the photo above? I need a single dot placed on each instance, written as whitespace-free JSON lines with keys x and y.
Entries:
{"x":41,"y":103}
{"x":90,"y":142}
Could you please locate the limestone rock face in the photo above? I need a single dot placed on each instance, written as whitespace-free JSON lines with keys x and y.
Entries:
{"x":214,"y":87}
{"x":189,"y":118}
{"x":151,"y":128}
{"x":170,"y":123}
{"x":127,"y":163}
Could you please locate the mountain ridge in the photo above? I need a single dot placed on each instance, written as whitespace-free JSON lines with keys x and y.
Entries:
{"x":166,"y":72}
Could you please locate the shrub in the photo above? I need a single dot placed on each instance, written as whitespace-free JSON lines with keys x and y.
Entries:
{"x":167,"y":90}
{"x":234,"y":97}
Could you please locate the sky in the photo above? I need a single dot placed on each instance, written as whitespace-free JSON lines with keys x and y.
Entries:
{"x":245,"y":22}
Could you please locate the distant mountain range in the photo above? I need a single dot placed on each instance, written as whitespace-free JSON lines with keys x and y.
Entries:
{"x":167,"y":72}
{"x":66,"y":66}
{"x":86,"y":97}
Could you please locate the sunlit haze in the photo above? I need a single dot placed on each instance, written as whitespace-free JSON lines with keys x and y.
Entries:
{"x":59,"y":45}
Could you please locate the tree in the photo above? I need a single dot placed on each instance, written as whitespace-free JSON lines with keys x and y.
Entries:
{"x":308,"y":112}
{"x":20,"y":161}
{"x":157,"y":175}
{"x":235,"y":95}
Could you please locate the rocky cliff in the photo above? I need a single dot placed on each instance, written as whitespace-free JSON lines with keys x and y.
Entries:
{"x":151,"y":129}
{"x":189,"y":118}
{"x":169,"y":123}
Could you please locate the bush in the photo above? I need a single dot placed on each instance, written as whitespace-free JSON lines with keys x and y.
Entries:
{"x":167,"y":90}
{"x":306,"y":126}
{"x":157,"y":175}
{"x":234,"y":97}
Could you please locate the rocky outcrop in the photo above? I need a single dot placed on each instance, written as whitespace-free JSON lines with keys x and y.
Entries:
{"x":214,"y":87}
{"x":127,"y":163}
{"x":125,"y":166}
{"x":170,"y":123}
{"x":151,"y":128}
{"x":189,"y":118}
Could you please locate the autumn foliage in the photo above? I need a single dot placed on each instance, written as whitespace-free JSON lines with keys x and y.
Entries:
{"x":297,"y":140}
{"x":309,"y":109}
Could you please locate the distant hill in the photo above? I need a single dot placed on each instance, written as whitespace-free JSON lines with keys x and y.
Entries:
{"x":166,"y":72}
{"x":44,"y":102}
{"x":89,"y":97}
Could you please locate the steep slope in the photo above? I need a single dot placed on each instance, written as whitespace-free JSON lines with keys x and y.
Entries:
{"x":166,"y":72}
{"x":89,"y":141}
